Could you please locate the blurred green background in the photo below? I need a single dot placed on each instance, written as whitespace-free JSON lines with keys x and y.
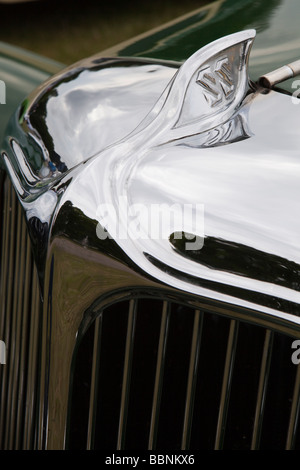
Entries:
{"x":68,"y":31}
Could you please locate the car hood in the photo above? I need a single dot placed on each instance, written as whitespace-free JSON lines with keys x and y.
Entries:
{"x":241,"y":170}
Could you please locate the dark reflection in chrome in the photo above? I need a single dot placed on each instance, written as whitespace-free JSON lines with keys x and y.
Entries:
{"x":269,"y":301}
{"x":236,"y":258}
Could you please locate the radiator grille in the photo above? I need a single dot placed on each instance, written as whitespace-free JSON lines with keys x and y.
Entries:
{"x":159,"y":375}
{"x":19,"y":323}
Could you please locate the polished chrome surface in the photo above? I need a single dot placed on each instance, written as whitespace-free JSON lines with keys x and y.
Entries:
{"x":235,"y":183}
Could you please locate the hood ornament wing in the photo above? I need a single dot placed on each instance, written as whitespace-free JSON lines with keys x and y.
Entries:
{"x":207,"y":89}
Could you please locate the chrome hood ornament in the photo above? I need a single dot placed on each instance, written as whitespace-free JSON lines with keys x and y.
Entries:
{"x":206,"y":91}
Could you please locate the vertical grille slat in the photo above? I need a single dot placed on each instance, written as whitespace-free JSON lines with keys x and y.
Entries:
{"x":262,"y":386}
{"x":33,"y":355}
{"x":27,"y":268}
{"x":126,"y":374}
{"x":294,"y":418}
{"x":182,"y":378}
{"x":192,"y":378}
{"x":227,"y":377}
{"x":159,"y":375}
{"x":94,"y":381}
{"x":20,"y":307}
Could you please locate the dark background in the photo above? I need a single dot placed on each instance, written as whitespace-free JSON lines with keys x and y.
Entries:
{"x":69,"y":30}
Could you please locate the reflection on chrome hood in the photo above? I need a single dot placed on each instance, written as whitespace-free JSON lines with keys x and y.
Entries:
{"x":202,"y":138}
